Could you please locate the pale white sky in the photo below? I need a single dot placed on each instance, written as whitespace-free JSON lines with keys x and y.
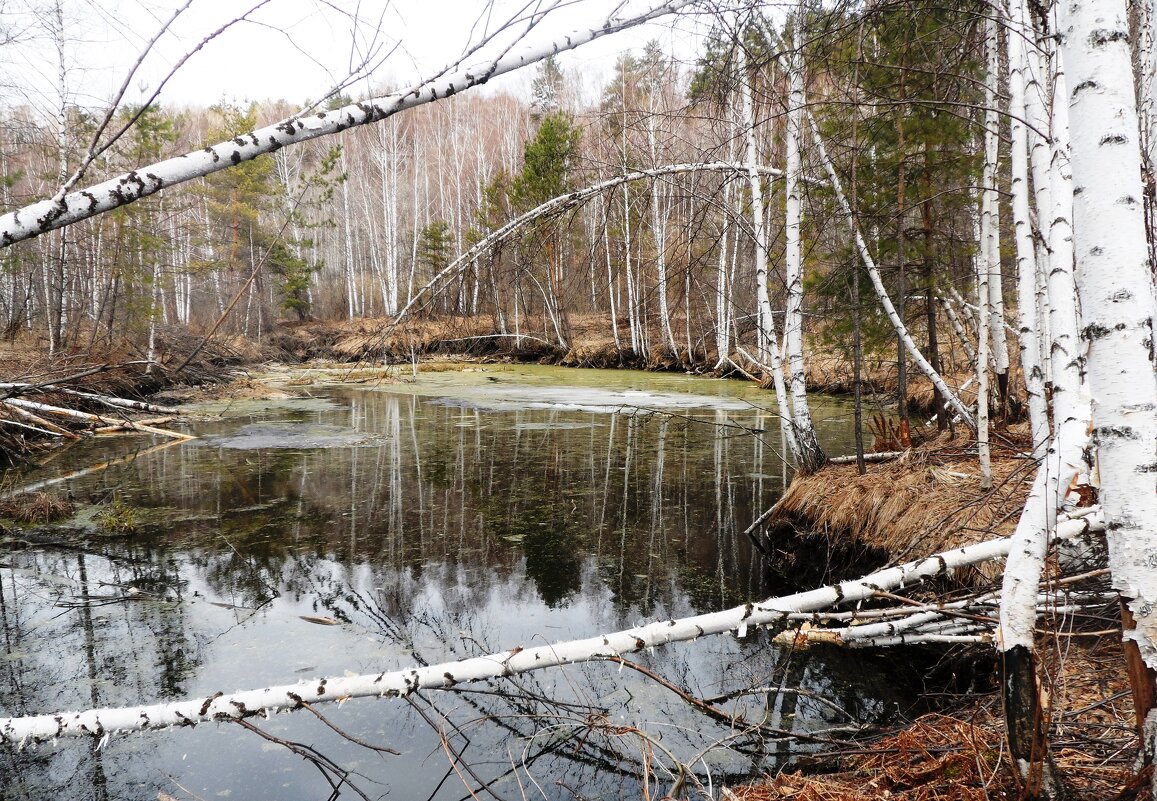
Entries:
{"x":289,"y":49}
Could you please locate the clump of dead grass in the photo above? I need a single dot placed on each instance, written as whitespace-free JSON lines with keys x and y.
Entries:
{"x":926,"y":501}
{"x":937,"y":758}
{"x":959,"y":755}
{"x":36,"y":507}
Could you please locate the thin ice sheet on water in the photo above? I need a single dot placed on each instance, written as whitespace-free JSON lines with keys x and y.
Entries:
{"x":591,"y":399}
{"x":294,"y":436}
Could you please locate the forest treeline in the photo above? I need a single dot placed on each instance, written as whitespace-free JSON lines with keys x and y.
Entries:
{"x":354,"y":225}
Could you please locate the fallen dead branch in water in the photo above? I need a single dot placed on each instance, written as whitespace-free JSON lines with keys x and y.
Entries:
{"x":103,"y":723}
{"x":19,"y":412}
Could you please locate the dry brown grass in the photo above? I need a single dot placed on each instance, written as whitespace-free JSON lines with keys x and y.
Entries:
{"x":923,"y":502}
{"x":960,"y":756}
{"x":36,"y":507}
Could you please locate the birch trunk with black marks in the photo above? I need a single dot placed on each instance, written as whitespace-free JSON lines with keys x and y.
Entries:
{"x":1070,"y":399}
{"x":48,"y":215}
{"x":1025,"y":705}
{"x":1114,"y":281}
{"x":810,"y":455}
{"x":103,"y":724}
{"x":1017,"y":39}
{"x":986,"y":230}
{"x":881,"y":293}
{"x":768,"y":341}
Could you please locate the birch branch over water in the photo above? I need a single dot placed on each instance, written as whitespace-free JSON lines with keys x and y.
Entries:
{"x":102,"y":723}
{"x":53,"y":213}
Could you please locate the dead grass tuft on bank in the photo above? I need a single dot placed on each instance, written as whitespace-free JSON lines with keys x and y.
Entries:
{"x":959,"y":756}
{"x":36,"y":507}
{"x":939,"y":758}
{"x":925,"y":501}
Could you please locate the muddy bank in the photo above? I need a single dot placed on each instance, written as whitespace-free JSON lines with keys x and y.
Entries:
{"x":591,"y":344}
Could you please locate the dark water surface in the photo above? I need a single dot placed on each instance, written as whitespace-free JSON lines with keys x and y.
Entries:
{"x":364,"y":529}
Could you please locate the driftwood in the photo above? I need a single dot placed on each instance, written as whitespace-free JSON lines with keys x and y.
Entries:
{"x":28,"y":407}
{"x":885,"y":456}
{"x":16,"y":388}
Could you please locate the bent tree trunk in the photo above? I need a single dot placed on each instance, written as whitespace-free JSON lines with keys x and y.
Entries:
{"x":104,"y":723}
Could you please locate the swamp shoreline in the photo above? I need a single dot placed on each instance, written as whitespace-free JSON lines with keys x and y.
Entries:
{"x":900,"y":509}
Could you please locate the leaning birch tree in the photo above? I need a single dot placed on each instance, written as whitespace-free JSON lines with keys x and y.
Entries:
{"x":68,"y":207}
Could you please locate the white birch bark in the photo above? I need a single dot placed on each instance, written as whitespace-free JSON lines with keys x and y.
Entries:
{"x":610,"y":277}
{"x":1070,"y":400}
{"x":954,"y":318}
{"x":768,"y":350}
{"x":811,"y":454}
{"x":105,"y":723}
{"x":1062,"y":463}
{"x":46,"y":215}
{"x":987,"y":257}
{"x":1116,"y":294}
{"x":659,"y":217}
{"x":983,"y":224}
{"x":723,"y":285}
{"x":1027,"y":323}
{"x":994,"y":302}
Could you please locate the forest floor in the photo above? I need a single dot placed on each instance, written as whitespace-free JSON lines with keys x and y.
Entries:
{"x":922,"y":502}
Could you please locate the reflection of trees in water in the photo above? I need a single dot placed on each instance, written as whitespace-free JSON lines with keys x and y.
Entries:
{"x":86,"y":629}
{"x":439,"y":539}
{"x":658,"y":501}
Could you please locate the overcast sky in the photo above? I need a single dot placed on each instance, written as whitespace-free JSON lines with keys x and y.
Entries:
{"x":287,"y":49}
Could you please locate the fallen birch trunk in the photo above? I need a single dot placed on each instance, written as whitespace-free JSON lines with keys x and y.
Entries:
{"x":88,"y":417}
{"x":884,"y":456}
{"x":66,"y":209}
{"x":103,"y":723}
{"x":17,"y":388}
{"x":41,"y":423}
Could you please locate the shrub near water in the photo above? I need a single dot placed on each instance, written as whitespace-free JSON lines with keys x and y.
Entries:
{"x":117,"y":517}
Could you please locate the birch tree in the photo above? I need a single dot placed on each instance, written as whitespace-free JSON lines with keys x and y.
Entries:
{"x":810,"y":453}
{"x":1114,"y":280}
{"x":57,"y":212}
{"x":1019,"y":40}
{"x":768,"y":341}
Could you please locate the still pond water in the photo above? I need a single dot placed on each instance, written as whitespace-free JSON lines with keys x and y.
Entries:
{"x":364,"y":528}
